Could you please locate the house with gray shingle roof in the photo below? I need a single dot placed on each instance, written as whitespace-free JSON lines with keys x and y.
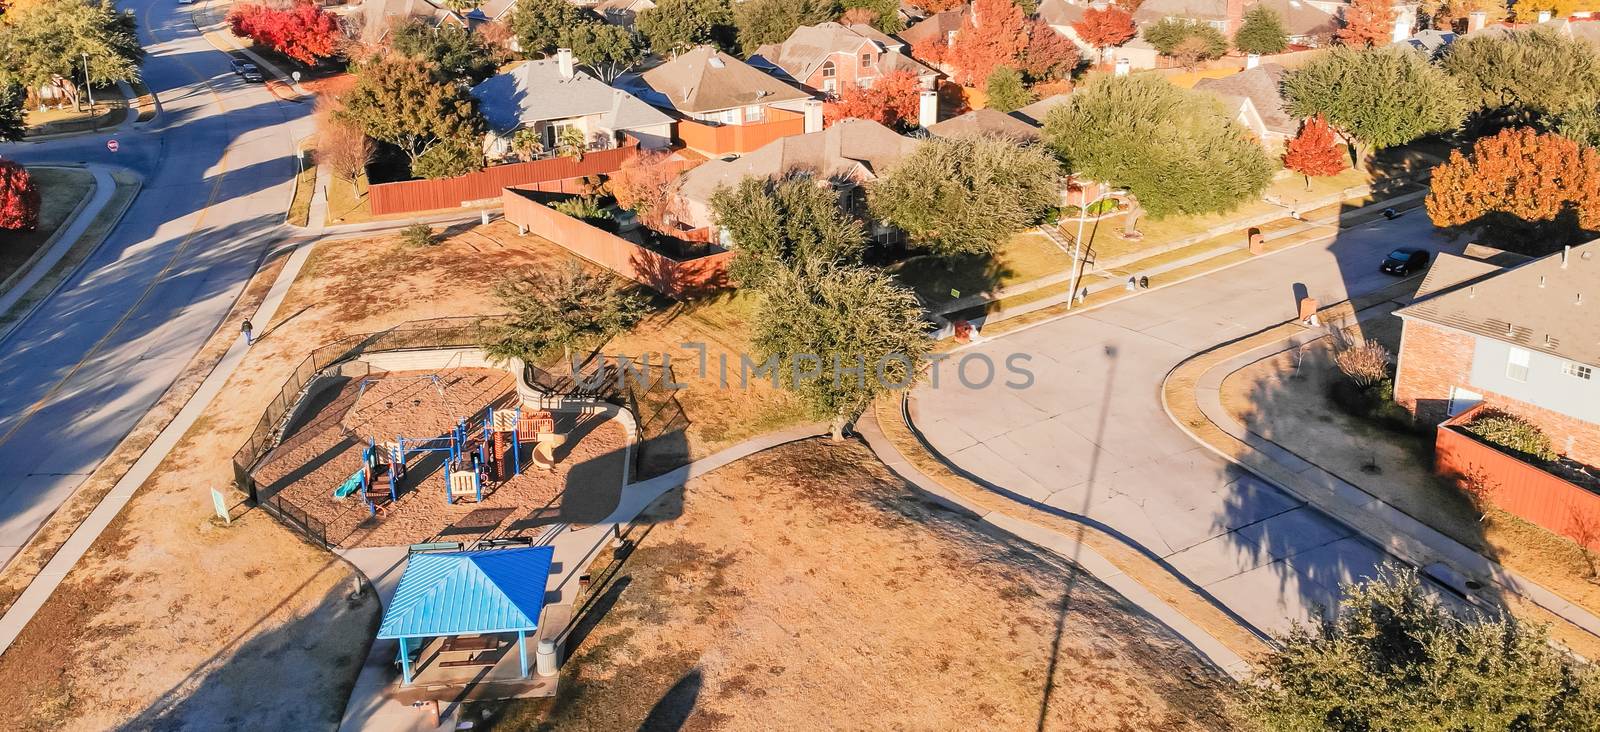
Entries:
{"x":1255,"y":98}
{"x":827,"y":56}
{"x":554,"y":98}
{"x":709,"y":85}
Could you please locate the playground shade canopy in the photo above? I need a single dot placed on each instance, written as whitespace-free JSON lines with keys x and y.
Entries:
{"x":461,"y":593}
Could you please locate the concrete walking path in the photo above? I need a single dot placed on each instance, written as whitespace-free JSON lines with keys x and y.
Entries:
{"x":1396,"y":531}
{"x":51,"y":576}
{"x":104,"y":188}
{"x":370,"y":709}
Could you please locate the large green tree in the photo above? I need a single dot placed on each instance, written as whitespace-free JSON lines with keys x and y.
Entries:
{"x":409,"y":105}
{"x":1187,"y":41}
{"x":783,"y":223}
{"x":455,"y":51}
{"x":12,"y":97}
{"x":673,"y":26}
{"x":967,"y":195}
{"x":541,"y":26}
{"x":841,"y":336}
{"x":1379,"y":97}
{"x":607,"y":49}
{"x":771,"y":21}
{"x":560,"y":312}
{"x":1006,"y":91}
{"x":1524,"y":75}
{"x":1261,"y":32}
{"x":47,"y":38}
{"x":1394,"y":659}
{"x":1174,"y":149}
{"x":1581,"y":124}
{"x":886,"y":13}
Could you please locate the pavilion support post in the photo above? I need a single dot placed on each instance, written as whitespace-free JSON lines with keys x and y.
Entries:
{"x":522,"y":651}
{"x":405,"y":663}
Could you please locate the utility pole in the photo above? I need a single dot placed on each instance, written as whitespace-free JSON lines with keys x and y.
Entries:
{"x":87,"y":86}
{"x":1077,"y":242}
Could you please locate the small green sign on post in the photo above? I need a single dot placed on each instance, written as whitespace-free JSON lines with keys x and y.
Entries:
{"x":220,"y":503}
{"x":955,"y":293}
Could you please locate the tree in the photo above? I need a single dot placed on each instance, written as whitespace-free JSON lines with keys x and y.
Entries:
{"x":19,"y":198}
{"x":404,"y":104}
{"x":1524,"y":75}
{"x":49,"y":38}
{"x":821,"y":320}
{"x":560,"y":311}
{"x":963,"y":196}
{"x":885,"y":14}
{"x":1186,"y":41}
{"x":993,"y":34}
{"x":1533,"y":192}
{"x":936,"y":6}
{"x":12,"y":97}
{"x":1048,"y":54}
{"x":1581,"y":124}
{"x":459,"y":54}
{"x":1394,"y":659}
{"x":1314,"y":151}
{"x":341,"y":143}
{"x":541,"y":26}
{"x":303,"y":32}
{"x":1105,"y":28}
{"x":1174,"y":149}
{"x":1368,"y":23}
{"x":1379,"y":97}
{"x":677,"y":25}
{"x":785,"y":223}
{"x":608,"y":49}
{"x":771,"y":21}
{"x":893,"y":100}
{"x":1261,"y":32}
{"x":648,"y":185}
{"x":1006,"y":90}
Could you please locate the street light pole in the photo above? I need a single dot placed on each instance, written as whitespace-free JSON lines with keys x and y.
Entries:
{"x":87,"y":86}
{"x":1077,"y":244}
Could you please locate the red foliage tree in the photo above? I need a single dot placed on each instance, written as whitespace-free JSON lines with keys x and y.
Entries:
{"x":1048,"y":55}
{"x":891,"y":100}
{"x":1103,"y":29}
{"x":1368,"y":23}
{"x":304,"y":32}
{"x":936,"y":6}
{"x":19,"y":198}
{"x":993,"y":34}
{"x":648,"y":186}
{"x":1518,"y":174}
{"x":1314,"y":151}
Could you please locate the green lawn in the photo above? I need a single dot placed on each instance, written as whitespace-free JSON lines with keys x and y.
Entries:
{"x":304,"y":187}
{"x":60,"y":190}
{"x":1026,"y":257}
{"x":109,"y":108}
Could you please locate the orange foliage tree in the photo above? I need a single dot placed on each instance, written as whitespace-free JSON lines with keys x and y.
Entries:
{"x":1368,"y":23}
{"x":997,"y":33}
{"x":936,"y":6}
{"x":1048,"y":55}
{"x":1314,"y":151}
{"x":1103,"y":29}
{"x":648,"y":186}
{"x":1534,"y":191}
{"x":892,"y":100}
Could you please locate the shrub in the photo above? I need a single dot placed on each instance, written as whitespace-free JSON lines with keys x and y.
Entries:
{"x":583,"y":208}
{"x":19,"y":198}
{"x":1373,"y":403}
{"x":418,"y":235}
{"x":1366,"y":363}
{"x":1511,"y":433}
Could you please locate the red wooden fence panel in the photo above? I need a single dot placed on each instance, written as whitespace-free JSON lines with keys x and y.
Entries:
{"x":1514,"y":486}
{"x":553,"y":174}
{"x":723,"y":139}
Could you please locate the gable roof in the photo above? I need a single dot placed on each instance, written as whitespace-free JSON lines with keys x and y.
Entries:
{"x":935,"y":27}
{"x":1301,"y":18}
{"x":1545,"y":305}
{"x":1152,"y":11}
{"x":1035,"y":113}
{"x":379,"y":16}
{"x":708,"y":80}
{"x":534,"y":91}
{"x":809,"y":46}
{"x":454,"y":593}
{"x":1062,"y":12}
{"x":847,"y":148}
{"x":986,"y":122}
{"x":1262,"y":85}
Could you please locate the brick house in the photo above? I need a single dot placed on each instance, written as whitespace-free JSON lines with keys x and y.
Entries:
{"x":827,"y":56}
{"x":724,"y":105}
{"x":1519,"y":337}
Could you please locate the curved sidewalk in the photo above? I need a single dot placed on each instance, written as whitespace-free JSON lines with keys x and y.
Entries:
{"x":1399,"y":533}
{"x":104,"y":188}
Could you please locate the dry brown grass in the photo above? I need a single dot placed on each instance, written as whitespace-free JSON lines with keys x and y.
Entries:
{"x":60,"y":191}
{"x":809,"y":588}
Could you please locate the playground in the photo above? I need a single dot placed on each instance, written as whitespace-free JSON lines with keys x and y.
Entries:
{"x":407,"y":457}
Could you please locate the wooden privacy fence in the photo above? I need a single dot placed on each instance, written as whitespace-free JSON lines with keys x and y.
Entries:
{"x":1517,"y":487}
{"x":724,"y":139}
{"x":561,"y":175}
{"x":671,"y":277}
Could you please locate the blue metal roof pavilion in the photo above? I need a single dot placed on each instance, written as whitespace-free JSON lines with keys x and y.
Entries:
{"x":466,"y":593}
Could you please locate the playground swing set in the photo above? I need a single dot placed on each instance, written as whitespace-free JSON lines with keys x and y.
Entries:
{"x":475,"y":449}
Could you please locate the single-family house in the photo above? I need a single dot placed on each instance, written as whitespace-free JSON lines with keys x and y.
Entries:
{"x":827,"y":56}
{"x":490,"y":11}
{"x":621,"y":12}
{"x":558,"y":101}
{"x":1255,"y":97}
{"x":375,"y":18}
{"x":849,"y":154}
{"x":725,"y":105}
{"x":1035,"y":113}
{"x":986,"y":122}
{"x":1522,"y":339}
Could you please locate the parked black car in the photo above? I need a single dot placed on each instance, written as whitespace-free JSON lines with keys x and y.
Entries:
{"x":251,"y":73}
{"x":1405,"y":261}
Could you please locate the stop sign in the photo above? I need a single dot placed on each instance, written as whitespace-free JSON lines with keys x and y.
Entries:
{"x":112,"y":145}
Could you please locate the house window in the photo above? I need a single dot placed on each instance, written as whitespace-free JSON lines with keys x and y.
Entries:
{"x":1577,"y":370}
{"x":866,"y":60}
{"x":1221,"y":25}
{"x":828,"y":70}
{"x":1517,"y":365}
{"x":830,"y":85}
{"x":727,"y":117}
{"x":754,"y":113}
{"x":553,"y":132}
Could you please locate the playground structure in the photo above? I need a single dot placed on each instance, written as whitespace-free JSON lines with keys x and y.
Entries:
{"x":477,"y":450}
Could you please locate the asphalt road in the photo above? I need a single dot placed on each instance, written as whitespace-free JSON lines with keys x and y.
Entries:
{"x":78,"y":373}
{"x":1090,"y":437}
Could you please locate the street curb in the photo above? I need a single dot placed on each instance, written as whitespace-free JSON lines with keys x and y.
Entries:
{"x":66,"y":224}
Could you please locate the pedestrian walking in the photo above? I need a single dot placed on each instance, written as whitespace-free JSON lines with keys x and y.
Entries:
{"x":248,"y":331}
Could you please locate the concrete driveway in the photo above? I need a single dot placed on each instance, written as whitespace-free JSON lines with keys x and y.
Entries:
{"x":1090,"y":437}
{"x":77,"y":374}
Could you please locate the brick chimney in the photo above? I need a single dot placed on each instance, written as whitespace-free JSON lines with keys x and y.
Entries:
{"x":928,"y":108}
{"x":1252,"y":60}
{"x":1544,"y":16}
{"x":1235,"y":17}
{"x":813,"y":115}
{"x":1123,"y":64}
{"x":564,"y":62}
{"x":1476,"y":20}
